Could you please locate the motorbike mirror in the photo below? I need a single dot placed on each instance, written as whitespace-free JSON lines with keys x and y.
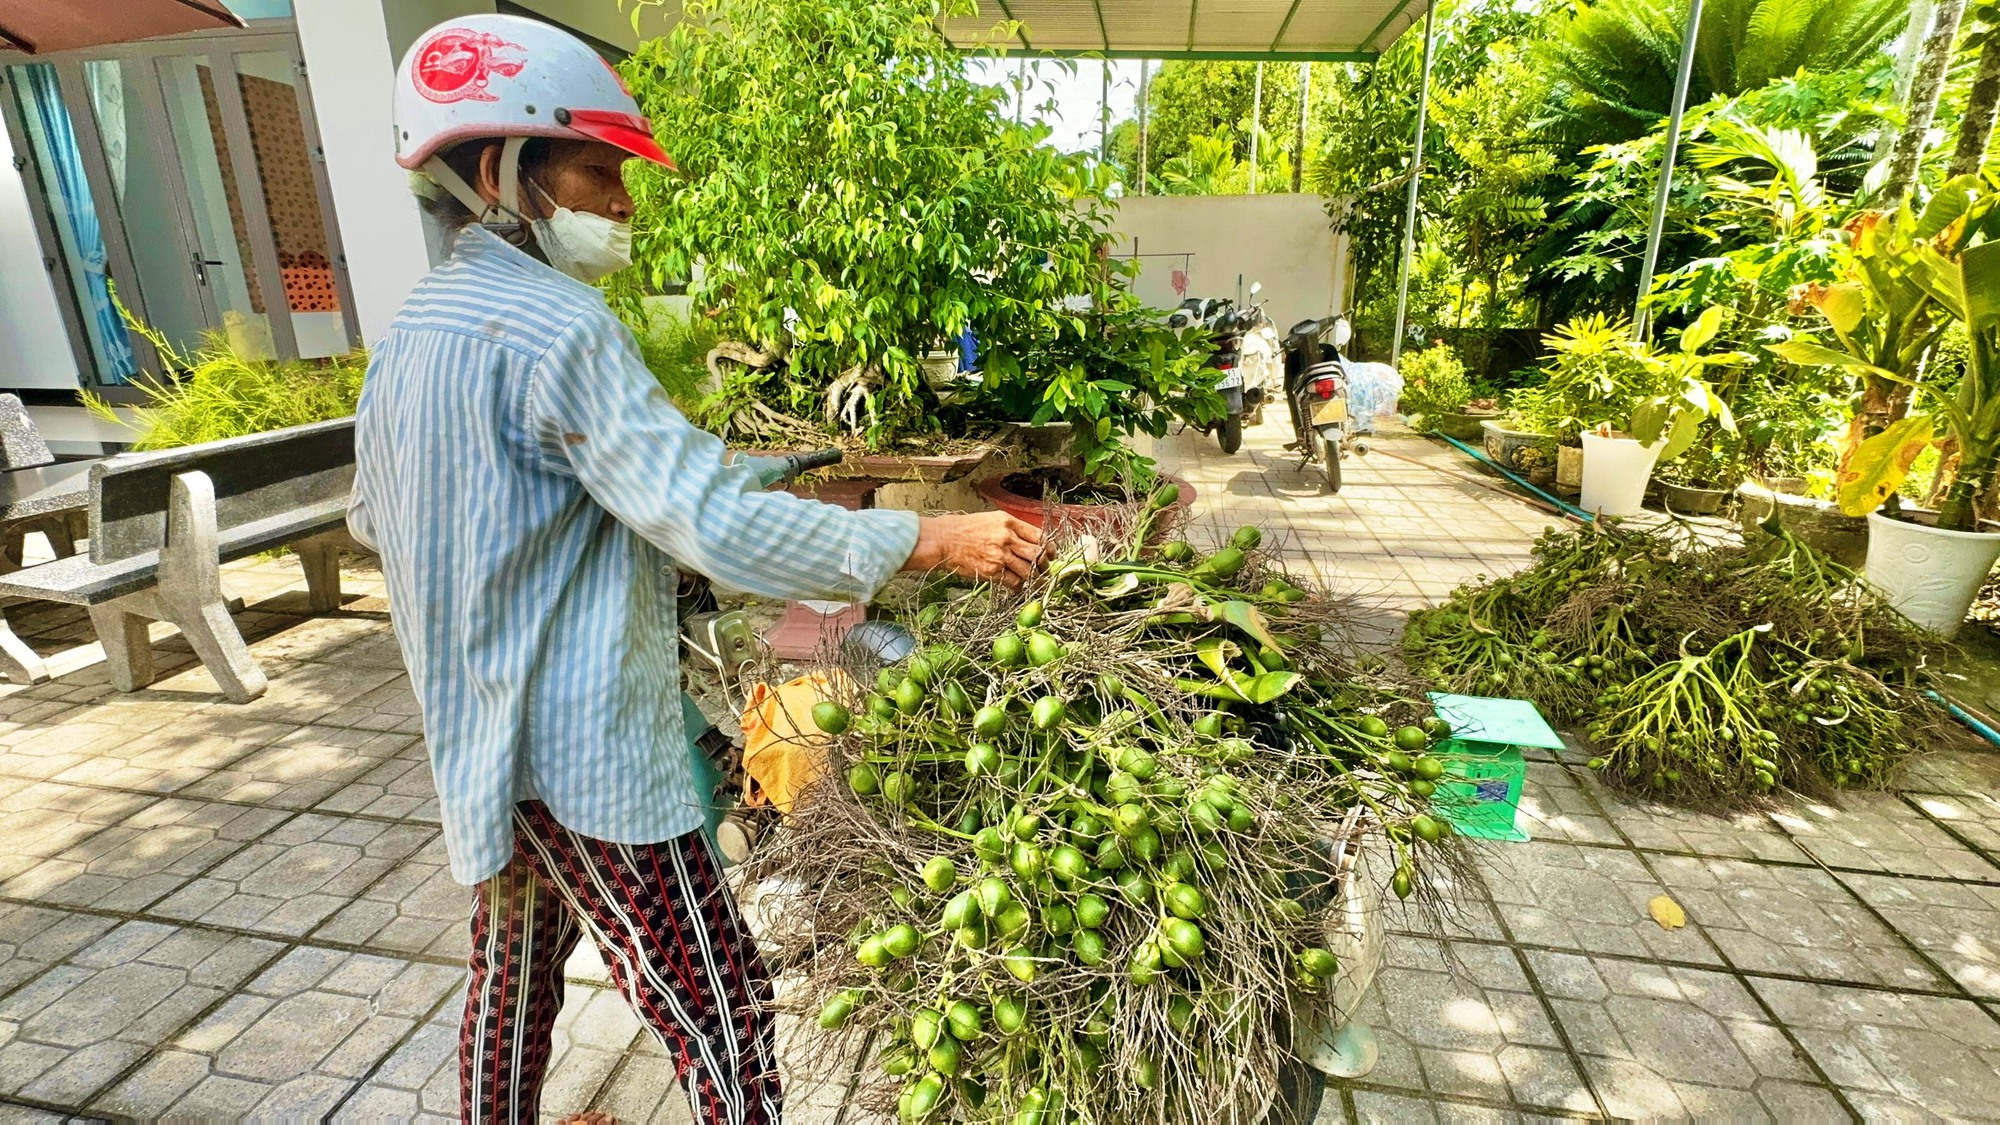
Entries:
{"x":1342,"y":332}
{"x":1256,"y":287}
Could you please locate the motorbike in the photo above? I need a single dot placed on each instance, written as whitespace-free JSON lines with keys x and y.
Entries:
{"x":1316,"y":391}
{"x":1245,"y":351}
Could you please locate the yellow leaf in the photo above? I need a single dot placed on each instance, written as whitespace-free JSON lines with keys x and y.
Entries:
{"x":1667,"y":912}
{"x":1879,"y":464}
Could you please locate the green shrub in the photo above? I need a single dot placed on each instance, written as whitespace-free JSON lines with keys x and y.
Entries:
{"x":1434,"y":383}
{"x":675,"y":346}
{"x":220,"y":393}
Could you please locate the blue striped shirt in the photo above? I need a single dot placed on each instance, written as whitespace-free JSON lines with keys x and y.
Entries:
{"x":530,"y":490}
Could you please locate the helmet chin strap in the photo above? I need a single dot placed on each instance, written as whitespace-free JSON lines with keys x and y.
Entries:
{"x":503,"y":217}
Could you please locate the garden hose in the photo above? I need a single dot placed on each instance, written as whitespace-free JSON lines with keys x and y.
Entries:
{"x":1963,"y":716}
{"x":1472,"y":480}
{"x":1567,"y":508}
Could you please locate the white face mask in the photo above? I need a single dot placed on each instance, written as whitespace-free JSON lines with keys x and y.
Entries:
{"x":583,"y":245}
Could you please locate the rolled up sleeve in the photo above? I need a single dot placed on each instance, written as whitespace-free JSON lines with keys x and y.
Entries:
{"x":595,"y":412}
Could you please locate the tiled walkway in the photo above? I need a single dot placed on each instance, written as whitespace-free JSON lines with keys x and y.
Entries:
{"x":227,"y":912}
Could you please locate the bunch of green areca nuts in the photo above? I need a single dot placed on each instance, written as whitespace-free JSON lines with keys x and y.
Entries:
{"x":1074,"y":860}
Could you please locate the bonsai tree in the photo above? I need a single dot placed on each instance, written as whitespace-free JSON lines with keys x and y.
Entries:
{"x":848,"y":200}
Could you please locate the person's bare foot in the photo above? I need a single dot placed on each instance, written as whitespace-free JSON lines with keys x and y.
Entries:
{"x":594,"y":1117}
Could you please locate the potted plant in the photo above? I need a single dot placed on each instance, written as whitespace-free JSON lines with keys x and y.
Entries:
{"x":1437,"y":396}
{"x":1904,"y":292}
{"x":1664,"y":423}
{"x":1593,"y":378}
{"x":1701,"y":480}
{"x":1930,"y":565}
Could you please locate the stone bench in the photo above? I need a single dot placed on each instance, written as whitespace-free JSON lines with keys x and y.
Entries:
{"x":162,"y":524}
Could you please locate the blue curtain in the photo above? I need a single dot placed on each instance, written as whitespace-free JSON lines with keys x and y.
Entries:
{"x":64,"y":166}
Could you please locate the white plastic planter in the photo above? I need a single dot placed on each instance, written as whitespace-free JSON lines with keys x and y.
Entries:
{"x":1929,"y":574}
{"x":1615,"y":472}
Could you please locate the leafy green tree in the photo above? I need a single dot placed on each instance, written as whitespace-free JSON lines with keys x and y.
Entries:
{"x":853,"y":200}
{"x":1191,"y":99}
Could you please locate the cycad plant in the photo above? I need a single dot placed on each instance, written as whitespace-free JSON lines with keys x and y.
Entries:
{"x":1613,"y":66}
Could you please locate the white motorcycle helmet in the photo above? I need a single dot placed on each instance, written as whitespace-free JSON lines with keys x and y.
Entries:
{"x":482,"y":76}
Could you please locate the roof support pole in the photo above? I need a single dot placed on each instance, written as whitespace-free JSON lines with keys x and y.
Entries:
{"x":1144,"y":65}
{"x":1660,"y":198}
{"x":1020,"y":87}
{"x":1104,"y":114}
{"x":1256,"y":124}
{"x":1305,"y":115}
{"x":1416,"y":175}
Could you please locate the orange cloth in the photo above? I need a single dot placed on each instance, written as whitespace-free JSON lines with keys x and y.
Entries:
{"x":783,"y":751}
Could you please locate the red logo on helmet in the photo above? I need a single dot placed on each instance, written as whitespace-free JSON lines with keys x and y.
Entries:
{"x":455,"y":65}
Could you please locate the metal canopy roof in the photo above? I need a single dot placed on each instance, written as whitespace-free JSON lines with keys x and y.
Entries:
{"x":1321,"y":30}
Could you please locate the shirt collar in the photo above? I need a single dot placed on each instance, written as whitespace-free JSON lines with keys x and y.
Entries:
{"x":481,"y":247}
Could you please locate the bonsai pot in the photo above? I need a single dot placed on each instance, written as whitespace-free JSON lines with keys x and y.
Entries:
{"x":1790,"y":486}
{"x":1929,"y":574}
{"x":1818,"y":524}
{"x":1054,"y":516}
{"x":1615,"y":472}
{"x":1569,"y":469}
{"x":1505,"y":446}
{"x":1464,"y":425}
{"x":1689,"y":500}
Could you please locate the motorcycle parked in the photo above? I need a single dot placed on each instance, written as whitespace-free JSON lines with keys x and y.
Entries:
{"x":1316,"y":391}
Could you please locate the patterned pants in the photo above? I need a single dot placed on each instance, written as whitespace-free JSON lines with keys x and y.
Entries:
{"x":667,"y":926}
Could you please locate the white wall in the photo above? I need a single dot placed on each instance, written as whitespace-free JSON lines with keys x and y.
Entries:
{"x":1283,"y":241}
{"x":351,"y":72}
{"x":34,"y":348}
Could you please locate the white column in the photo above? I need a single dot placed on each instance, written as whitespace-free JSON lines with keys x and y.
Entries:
{"x":350,"y":67}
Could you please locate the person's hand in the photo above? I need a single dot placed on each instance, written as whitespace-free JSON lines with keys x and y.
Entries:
{"x":991,"y":546}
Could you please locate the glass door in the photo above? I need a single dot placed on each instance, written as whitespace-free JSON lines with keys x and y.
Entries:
{"x":199,"y":163}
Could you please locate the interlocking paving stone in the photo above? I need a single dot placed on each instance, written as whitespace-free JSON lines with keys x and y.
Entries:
{"x":1665,"y":1041}
{"x":1878,"y":832}
{"x":300,"y":692}
{"x":32,"y":939}
{"x":1462,"y":1019}
{"x":1957,"y":924}
{"x":1973,"y":818}
{"x":415,"y":908}
{"x":303,"y":768}
{"x":293,"y":1042}
{"x":297,"y":875}
{"x":1584,"y":898}
{"x":72,"y":1029}
{"x":1896,"y":1055}
{"x":144,"y":856}
{"x":593,"y":1032}
{"x":171,"y":756}
{"x":1730,"y":834}
{"x":1791,"y":920}
{"x":321,"y":639}
{"x":1554,"y":807}
{"x":1967,"y":772}
{"x":399,"y":787}
{"x":41,"y":819}
{"x":391,"y":707}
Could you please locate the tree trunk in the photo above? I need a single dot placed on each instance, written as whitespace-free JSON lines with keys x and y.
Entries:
{"x":1975,"y":133}
{"x":1924,"y":94}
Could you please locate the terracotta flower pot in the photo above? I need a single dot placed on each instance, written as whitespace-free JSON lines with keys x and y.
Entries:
{"x":1053,"y":518}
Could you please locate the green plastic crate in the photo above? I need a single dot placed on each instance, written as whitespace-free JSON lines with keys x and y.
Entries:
{"x":1484,"y":769}
{"x":1481,"y":790}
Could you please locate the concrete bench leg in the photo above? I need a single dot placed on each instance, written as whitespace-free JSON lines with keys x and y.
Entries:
{"x":189,"y":596}
{"x":128,"y":650}
{"x":320,"y":556}
{"x":21,"y":664}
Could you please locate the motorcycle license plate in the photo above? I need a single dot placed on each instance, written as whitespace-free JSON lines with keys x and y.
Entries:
{"x":1229,"y":379}
{"x":1331,"y":411}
